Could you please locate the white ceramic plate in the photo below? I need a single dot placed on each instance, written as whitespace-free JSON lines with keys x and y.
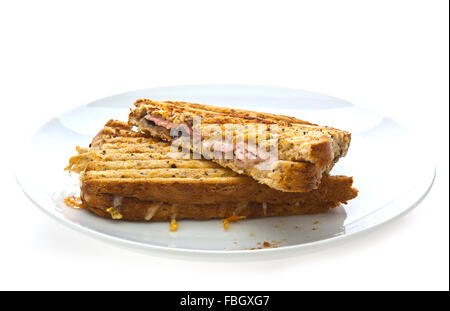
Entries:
{"x":380,"y":159}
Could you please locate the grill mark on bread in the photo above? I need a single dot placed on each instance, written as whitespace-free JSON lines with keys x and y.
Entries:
{"x":158,"y":173}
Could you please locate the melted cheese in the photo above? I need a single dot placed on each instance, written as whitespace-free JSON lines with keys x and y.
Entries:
{"x":173,"y":225}
{"x":115,"y":214}
{"x":151,"y":211}
{"x":115,"y":209}
{"x":233,"y":218}
{"x":117,"y":201}
{"x":264,"y":206}
{"x":73,"y":202}
{"x":240,"y":206}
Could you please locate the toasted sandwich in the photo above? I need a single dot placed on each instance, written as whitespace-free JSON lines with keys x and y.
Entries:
{"x":127,"y":174}
{"x":305,"y":152}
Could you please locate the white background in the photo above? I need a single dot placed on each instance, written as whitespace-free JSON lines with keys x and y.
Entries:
{"x":389,"y":56}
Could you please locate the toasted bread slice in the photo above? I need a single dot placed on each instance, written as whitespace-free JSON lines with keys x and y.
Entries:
{"x":126,"y":208}
{"x":129,"y":164}
{"x":305,"y":151}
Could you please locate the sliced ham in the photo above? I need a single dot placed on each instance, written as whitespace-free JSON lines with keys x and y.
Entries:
{"x":245,"y":157}
{"x":160,"y":121}
{"x":167,"y":124}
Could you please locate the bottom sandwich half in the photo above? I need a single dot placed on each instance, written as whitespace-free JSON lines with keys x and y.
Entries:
{"x":128,"y":208}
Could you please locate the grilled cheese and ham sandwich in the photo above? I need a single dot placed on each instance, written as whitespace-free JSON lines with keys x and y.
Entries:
{"x":126,"y":174}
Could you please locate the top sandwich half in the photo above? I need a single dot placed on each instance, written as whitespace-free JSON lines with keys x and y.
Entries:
{"x":304,"y":151}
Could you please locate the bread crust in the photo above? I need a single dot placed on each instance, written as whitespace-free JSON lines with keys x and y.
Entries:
{"x":136,"y":210}
{"x":285,"y":176}
{"x":238,"y":189}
